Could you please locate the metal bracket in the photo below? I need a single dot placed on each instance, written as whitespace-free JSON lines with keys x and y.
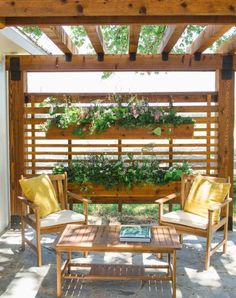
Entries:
{"x":100,"y":56}
{"x":227,"y":67}
{"x":132,"y":56}
{"x":27,"y":99}
{"x":165,"y":56}
{"x":15,"y":69}
{"x":197,"y":56}
{"x":68,"y":57}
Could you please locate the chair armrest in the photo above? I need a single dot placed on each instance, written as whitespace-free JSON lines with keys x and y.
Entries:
{"x":167,"y":198}
{"x":33,"y":206}
{"x":217,"y":206}
{"x":78,"y":197}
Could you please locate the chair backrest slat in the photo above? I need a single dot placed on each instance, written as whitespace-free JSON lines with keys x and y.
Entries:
{"x":60,"y":185}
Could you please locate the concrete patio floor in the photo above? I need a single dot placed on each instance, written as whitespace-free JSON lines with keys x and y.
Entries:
{"x":19,"y":276}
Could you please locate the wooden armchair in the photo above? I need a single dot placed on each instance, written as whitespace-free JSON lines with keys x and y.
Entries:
{"x":54,"y":222}
{"x":188,"y":223}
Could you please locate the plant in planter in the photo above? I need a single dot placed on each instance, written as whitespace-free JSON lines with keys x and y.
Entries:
{"x":97,"y":118}
{"x":113,"y":174}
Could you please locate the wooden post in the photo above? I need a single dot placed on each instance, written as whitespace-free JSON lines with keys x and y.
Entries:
{"x":225,"y":89}
{"x":16,"y":139}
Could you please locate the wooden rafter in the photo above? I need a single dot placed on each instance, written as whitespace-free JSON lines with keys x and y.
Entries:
{"x":95,"y":35}
{"x":134,"y":32}
{"x":27,"y":8}
{"x":228,"y":47}
{"x":207,"y":37}
{"x":170,"y":37}
{"x":120,"y":63}
{"x":60,"y":38}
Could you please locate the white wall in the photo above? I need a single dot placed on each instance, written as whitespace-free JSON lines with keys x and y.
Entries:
{"x":4,"y":158}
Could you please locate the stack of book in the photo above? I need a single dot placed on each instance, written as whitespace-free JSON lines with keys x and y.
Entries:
{"x":135,"y":233}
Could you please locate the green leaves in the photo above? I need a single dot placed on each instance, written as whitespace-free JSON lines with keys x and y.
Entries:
{"x":97,"y":118}
{"x":157,"y":131}
{"x":102,"y":170}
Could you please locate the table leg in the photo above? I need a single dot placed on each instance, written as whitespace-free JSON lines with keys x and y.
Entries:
{"x":58,"y":274}
{"x":174,"y":274}
{"x":169,"y":263}
{"x":69,"y":259}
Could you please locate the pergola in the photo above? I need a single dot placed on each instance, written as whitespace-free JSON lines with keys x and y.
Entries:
{"x":50,"y":16}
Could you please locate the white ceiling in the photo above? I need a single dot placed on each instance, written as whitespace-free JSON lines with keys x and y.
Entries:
{"x":14,"y":43}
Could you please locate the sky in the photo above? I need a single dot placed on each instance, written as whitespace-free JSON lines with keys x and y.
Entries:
{"x":121,"y":82}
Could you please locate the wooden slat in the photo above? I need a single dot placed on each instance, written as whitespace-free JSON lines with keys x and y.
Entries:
{"x":48,"y":8}
{"x":95,"y":36}
{"x":170,"y":37}
{"x":134,"y":32}
{"x":60,"y":38}
{"x":160,"y":97}
{"x":228,"y":47}
{"x":207,"y":37}
{"x":118,"y":63}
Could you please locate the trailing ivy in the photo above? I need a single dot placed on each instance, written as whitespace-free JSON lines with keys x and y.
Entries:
{"x":102,"y":170}
{"x":97,"y":118}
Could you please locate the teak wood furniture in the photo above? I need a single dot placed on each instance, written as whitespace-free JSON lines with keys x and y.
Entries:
{"x":54,"y":222}
{"x":188,"y":223}
{"x":105,"y":238}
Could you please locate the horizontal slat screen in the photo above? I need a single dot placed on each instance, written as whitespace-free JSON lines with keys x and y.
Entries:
{"x":201,"y":151}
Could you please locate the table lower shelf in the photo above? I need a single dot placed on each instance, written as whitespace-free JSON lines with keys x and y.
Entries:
{"x":116,"y":272}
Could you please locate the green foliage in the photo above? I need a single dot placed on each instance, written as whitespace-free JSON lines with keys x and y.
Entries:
{"x":102,"y":170}
{"x":150,"y":39}
{"x":116,"y":39}
{"x":33,"y":31}
{"x":97,"y":118}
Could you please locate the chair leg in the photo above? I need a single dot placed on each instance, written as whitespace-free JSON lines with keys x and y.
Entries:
{"x":181,"y":238}
{"x":225,"y":237}
{"x":39,"y":251}
{"x":208,"y":251}
{"x":22,"y":234}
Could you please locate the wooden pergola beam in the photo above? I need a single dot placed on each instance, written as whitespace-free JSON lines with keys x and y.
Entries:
{"x":60,"y":38}
{"x":134,"y":32}
{"x":208,"y":62}
{"x":95,"y":35}
{"x":228,"y":47}
{"x":207,"y":37}
{"x":2,"y":23}
{"x":170,"y":37}
{"x":121,"y":20}
{"x":25,"y":8}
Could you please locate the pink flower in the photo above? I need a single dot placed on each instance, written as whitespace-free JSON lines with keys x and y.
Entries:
{"x":157,"y":116}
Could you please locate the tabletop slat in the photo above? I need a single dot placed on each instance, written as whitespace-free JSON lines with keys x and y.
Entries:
{"x":106,"y":238}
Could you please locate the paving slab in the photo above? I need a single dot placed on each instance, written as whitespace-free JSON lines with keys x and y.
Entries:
{"x":20,"y":277}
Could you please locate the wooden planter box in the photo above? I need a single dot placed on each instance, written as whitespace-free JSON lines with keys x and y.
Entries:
{"x":143,"y":193}
{"x":183,"y":131}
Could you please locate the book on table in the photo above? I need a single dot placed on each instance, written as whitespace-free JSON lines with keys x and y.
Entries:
{"x":135,"y":233}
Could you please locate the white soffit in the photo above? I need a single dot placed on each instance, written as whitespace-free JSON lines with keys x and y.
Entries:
{"x":13,"y":43}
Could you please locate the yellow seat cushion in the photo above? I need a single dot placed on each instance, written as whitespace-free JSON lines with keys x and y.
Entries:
{"x":203,"y":194}
{"x":41,"y":192}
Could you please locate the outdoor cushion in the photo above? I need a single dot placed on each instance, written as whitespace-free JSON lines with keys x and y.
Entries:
{"x":60,"y":217}
{"x":41,"y":192}
{"x":203,"y":194}
{"x":185,"y":219}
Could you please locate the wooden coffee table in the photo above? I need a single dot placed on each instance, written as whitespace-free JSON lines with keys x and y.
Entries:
{"x":105,"y":238}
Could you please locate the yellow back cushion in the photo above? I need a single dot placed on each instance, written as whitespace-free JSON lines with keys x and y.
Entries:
{"x":41,"y":192}
{"x":203,"y":194}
